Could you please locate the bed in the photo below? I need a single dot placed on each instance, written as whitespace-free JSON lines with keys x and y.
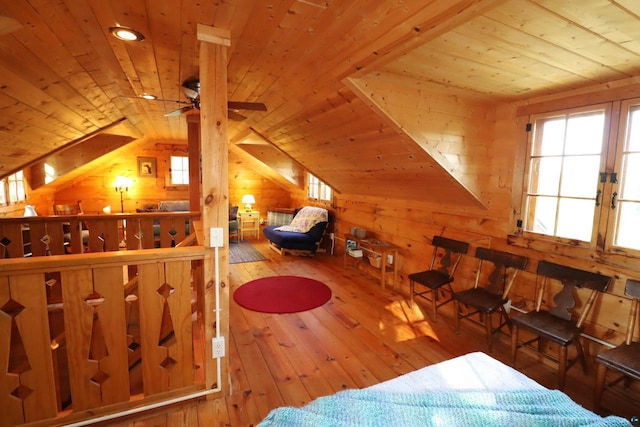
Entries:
{"x":470,"y":390}
{"x":303,"y":235}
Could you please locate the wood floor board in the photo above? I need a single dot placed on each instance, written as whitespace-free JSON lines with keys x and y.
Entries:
{"x":365,"y":334}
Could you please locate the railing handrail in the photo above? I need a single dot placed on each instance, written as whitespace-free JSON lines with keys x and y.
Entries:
{"x":84,"y":216}
{"x":102,"y":259}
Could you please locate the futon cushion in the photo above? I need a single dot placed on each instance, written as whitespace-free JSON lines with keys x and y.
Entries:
{"x":305,"y":219}
{"x":293,"y":240}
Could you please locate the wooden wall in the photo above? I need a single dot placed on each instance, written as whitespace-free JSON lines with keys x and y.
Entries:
{"x":498,"y":167}
{"x":96,"y":189}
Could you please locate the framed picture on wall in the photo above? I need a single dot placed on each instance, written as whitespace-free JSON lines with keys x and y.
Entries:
{"x":147,"y":167}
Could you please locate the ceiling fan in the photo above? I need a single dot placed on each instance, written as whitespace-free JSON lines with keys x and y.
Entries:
{"x":191,"y":89}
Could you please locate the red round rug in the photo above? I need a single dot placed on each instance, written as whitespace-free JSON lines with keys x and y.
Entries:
{"x":282,"y":294}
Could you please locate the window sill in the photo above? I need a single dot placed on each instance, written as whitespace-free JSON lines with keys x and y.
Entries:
{"x":572,"y":249}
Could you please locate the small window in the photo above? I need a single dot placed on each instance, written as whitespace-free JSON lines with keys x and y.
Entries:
{"x":16,"y":187}
{"x":3,"y":193}
{"x":49,"y":173}
{"x":566,"y":155}
{"x":179,"y":170}
{"x":319,"y":190}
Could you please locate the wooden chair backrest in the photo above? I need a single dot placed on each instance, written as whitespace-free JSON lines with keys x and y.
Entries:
{"x":450,"y":247}
{"x":68,"y":209}
{"x":500,"y":280}
{"x":632,"y":289}
{"x":571,"y":278}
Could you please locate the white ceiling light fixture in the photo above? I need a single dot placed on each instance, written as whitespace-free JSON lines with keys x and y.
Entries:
{"x":126,"y":34}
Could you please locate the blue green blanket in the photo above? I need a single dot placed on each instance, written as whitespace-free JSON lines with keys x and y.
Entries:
{"x":466,"y":408}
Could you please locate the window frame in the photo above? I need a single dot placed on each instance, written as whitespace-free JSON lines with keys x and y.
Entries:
{"x":182,"y":171}
{"x":18,"y":180}
{"x":614,"y":139}
{"x":322,"y":189}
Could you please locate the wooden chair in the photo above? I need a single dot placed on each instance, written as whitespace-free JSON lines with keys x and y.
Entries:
{"x":557,"y":324}
{"x":624,"y":359}
{"x":434,"y":278}
{"x":72,"y":209}
{"x":68,"y":209}
{"x":491,"y":298}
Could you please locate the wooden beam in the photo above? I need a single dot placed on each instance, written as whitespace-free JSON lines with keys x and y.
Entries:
{"x":215,"y":196}
{"x":193,"y":139}
{"x":214,"y":35}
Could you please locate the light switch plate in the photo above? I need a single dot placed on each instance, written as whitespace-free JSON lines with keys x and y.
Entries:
{"x":216,"y":239}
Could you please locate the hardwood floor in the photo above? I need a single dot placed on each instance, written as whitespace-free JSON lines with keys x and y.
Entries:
{"x":362,"y":336}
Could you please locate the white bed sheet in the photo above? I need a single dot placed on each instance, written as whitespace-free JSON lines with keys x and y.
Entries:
{"x":473,"y":371}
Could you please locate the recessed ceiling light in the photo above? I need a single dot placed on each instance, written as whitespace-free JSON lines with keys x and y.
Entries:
{"x":148,"y":96}
{"x":126,"y":34}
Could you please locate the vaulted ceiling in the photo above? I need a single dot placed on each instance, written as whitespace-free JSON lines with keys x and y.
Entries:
{"x":320,"y":66}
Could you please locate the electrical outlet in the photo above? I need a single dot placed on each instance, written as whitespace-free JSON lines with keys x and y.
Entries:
{"x":217,"y":347}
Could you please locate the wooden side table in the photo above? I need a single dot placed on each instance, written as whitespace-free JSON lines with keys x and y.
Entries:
{"x":387,"y":253}
{"x":249,"y":223}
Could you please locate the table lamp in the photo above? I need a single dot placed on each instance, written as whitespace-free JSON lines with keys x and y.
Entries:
{"x":248,"y":200}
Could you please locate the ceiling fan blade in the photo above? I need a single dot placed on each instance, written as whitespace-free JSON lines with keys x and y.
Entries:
{"x":179,"y":111}
{"x":235,"y":116}
{"x":254,"y":106}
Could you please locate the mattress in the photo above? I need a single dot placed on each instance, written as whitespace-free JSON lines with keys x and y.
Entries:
{"x":473,"y":371}
{"x":470,"y":390}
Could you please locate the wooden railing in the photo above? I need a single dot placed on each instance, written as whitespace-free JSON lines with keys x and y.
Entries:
{"x":61,"y":234}
{"x":78,"y":337}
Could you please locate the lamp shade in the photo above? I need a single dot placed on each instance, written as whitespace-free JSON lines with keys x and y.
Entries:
{"x":248,"y":199}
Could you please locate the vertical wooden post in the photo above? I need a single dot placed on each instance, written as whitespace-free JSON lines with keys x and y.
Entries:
{"x":215,"y":189}
{"x":193,"y":138}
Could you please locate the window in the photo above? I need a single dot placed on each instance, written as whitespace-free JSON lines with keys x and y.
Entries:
{"x":12,"y":189}
{"x":179,"y":170}
{"x":318,"y":190}
{"x":49,"y":173}
{"x":583,"y":181}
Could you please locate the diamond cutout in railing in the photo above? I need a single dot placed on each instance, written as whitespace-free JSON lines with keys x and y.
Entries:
{"x":12,"y":308}
{"x":21,"y":392}
{"x":168,"y":363}
{"x":172,"y":232}
{"x":100,"y":377}
{"x":94,"y":298}
{"x":4,"y":242}
{"x":165,"y":290}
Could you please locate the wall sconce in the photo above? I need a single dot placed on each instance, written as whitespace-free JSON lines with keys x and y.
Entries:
{"x":248,"y":200}
{"x":122,"y":184}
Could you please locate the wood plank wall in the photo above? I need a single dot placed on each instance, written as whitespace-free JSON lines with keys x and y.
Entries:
{"x":497,"y":169}
{"x":96,"y":190}
{"x":493,"y":158}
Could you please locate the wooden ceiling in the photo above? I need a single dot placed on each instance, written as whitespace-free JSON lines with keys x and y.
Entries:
{"x":63,"y":76}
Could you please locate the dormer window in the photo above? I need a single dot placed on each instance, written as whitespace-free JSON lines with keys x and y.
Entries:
{"x":318,"y":190}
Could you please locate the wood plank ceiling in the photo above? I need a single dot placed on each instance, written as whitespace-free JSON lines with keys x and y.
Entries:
{"x":63,"y":76}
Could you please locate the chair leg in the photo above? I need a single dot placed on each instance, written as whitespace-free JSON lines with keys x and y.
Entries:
{"x":412,"y":288}
{"x":456,"y":309}
{"x":434,"y":304}
{"x":489,"y":328}
{"x":514,"y":344}
{"x":562,"y":367}
{"x":583,"y":361}
{"x":601,"y":376}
